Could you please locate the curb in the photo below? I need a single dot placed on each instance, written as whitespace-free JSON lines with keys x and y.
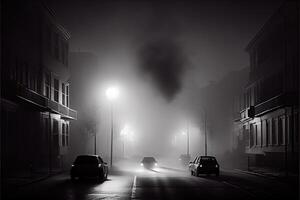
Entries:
{"x":288,"y":180}
{"x":41,"y":179}
{"x":256,"y":174}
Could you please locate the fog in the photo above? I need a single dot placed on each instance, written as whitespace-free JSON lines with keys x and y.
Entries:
{"x":173,"y":63}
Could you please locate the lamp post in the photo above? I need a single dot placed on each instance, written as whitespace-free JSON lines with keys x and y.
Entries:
{"x":205,"y":134}
{"x":111,"y":93}
{"x":124,"y":134}
{"x":187,"y":134}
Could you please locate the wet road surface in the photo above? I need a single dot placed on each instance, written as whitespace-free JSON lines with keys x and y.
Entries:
{"x":160,"y":183}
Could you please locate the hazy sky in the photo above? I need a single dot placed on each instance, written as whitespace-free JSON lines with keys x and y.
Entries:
{"x":212,"y":34}
{"x":161,"y":53}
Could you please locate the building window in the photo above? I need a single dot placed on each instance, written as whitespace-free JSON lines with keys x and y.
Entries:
{"x":281,"y":131}
{"x":56,"y":90}
{"x":296,"y":128}
{"x":67,"y":95}
{"x":264,"y":133}
{"x":63,"y":94}
{"x":258,"y":134}
{"x":47,"y":85}
{"x":252,"y":138}
{"x":269,"y":132}
{"x":67,"y":134}
{"x":274,"y":131}
{"x":55,"y":126}
{"x":246,"y":136}
{"x":63,"y":135}
{"x":55,"y":133}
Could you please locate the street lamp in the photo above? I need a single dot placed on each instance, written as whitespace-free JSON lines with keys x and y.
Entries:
{"x":112,"y":93}
{"x":187,"y":134}
{"x":124,"y":133}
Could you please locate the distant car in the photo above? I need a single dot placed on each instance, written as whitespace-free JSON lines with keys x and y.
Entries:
{"x":149,"y":162}
{"x":89,"y":166}
{"x":204,"y":165}
{"x":184,"y":159}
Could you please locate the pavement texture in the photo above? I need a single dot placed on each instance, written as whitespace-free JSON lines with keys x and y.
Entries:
{"x":135,"y":182}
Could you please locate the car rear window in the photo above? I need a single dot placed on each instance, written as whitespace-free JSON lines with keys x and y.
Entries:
{"x":208,"y":160}
{"x":86,"y":160}
{"x":148,"y":159}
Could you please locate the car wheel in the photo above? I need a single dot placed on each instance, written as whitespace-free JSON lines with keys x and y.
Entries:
{"x":192,"y":173}
{"x":105,"y":178}
{"x":100,"y":177}
{"x":197,"y":173}
{"x":217,"y":174}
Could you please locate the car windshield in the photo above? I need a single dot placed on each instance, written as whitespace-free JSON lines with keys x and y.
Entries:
{"x":148,"y":159}
{"x":86,"y":160}
{"x":208,"y":160}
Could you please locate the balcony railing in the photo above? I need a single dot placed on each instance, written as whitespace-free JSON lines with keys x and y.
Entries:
{"x":270,"y":104}
{"x":43,"y":103}
{"x":66,"y":112}
{"x":30,"y":96}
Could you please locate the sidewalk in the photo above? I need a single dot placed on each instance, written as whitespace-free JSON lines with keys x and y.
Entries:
{"x":290,"y":178}
{"x":12,"y":185}
{"x":20,"y":180}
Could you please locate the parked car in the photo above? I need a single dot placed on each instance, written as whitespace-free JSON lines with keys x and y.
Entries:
{"x":89,"y":166}
{"x":184,"y":159}
{"x":149,"y":162}
{"x":204,"y":165}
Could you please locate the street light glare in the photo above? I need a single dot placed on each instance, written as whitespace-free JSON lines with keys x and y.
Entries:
{"x":112,"y":93}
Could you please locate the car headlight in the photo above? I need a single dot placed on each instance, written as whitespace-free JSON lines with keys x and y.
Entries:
{"x":217,"y":166}
{"x":142,"y":164}
{"x":73,"y":165}
{"x":99,"y":165}
{"x":200,"y":166}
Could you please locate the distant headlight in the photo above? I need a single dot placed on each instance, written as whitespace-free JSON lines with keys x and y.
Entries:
{"x":217,"y":166}
{"x":155,"y":164}
{"x":200,"y":166}
{"x":142,"y":164}
{"x":73,"y":165}
{"x":99,"y":165}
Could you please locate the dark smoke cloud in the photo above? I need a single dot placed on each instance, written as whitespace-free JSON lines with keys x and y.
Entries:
{"x":164,"y":61}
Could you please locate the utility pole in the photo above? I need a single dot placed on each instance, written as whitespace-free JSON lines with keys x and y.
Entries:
{"x":111,"y":135}
{"x":95,"y":142}
{"x":205,"y":134}
{"x":188,"y":139}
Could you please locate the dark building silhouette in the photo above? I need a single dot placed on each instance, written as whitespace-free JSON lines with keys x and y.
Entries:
{"x":35,"y":111}
{"x":269,"y":117}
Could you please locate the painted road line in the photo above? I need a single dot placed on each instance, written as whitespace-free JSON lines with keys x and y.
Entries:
{"x":133,"y":190}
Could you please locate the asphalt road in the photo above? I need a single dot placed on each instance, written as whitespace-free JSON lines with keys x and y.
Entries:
{"x":160,"y":183}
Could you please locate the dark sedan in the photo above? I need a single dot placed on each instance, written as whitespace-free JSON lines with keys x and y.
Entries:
{"x":204,"y":165}
{"x":89,"y":166}
{"x":149,"y":162}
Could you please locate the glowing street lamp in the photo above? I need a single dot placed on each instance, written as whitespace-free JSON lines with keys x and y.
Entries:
{"x":126,"y":133}
{"x":112,"y":93}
